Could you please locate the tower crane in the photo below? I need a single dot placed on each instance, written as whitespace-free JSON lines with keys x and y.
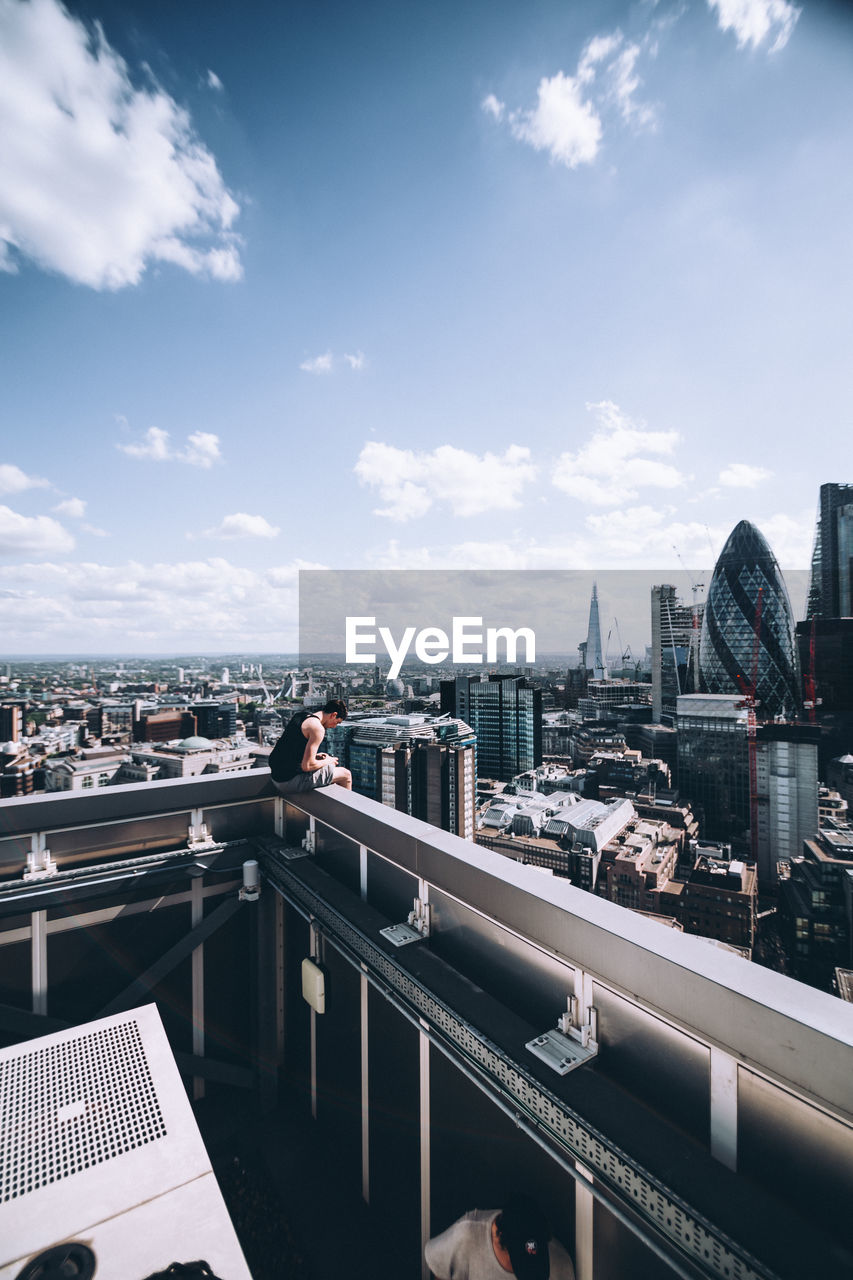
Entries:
{"x":625,"y":654}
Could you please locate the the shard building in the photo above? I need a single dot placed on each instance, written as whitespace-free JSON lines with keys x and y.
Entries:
{"x":746,"y":564}
{"x":595,"y":661}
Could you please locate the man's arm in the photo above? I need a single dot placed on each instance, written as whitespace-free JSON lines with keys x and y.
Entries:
{"x":311,"y":761}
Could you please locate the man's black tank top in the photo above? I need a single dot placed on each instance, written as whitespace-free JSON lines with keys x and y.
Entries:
{"x":286,"y":756}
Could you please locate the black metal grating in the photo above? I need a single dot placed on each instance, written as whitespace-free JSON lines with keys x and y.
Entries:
{"x":72,"y":1105}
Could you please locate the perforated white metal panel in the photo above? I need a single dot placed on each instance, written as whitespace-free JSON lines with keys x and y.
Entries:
{"x":98,"y":1143}
{"x":69,"y":1106}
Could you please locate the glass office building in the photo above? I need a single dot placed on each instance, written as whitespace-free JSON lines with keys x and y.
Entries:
{"x":713,"y":765}
{"x":831,"y":588}
{"x":747,"y":564}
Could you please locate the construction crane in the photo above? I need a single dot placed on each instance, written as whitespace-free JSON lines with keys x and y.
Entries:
{"x":750,"y":702}
{"x":625,"y":654}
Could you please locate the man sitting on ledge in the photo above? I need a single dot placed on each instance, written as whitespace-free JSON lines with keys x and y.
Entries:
{"x":296,"y":764}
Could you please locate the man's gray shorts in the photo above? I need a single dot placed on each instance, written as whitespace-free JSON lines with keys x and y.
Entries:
{"x":307,"y":781}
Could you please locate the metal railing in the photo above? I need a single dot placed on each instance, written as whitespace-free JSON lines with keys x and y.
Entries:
{"x":716,"y":1120}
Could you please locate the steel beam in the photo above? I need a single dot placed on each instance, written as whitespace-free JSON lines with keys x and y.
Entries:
{"x":142,"y":986}
{"x":228,"y":1073}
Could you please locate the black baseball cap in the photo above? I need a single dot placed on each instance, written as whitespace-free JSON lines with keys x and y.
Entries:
{"x":524,"y":1233}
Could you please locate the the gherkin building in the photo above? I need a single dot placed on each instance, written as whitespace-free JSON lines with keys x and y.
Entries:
{"x":746,"y":563}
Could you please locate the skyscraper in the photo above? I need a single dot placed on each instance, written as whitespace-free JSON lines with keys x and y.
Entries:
{"x":746,"y":564}
{"x":826,"y":654}
{"x":594,"y":652}
{"x":505,"y":713}
{"x":11,"y":716}
{"x":675,"y":651}
{"x":713,"y":764}
{"x":787,"y":791}
{"x":423,"y":767}
{"x":831,"y":587}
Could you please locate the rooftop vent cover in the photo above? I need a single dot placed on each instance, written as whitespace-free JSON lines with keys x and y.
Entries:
{"x":71,"y":1105}
{"x":100,"y":1155}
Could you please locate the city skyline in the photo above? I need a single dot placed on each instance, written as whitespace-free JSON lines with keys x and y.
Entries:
{"x":408,"y":288}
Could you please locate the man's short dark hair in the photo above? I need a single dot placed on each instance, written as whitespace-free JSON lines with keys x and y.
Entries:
{"x":337,"y":707}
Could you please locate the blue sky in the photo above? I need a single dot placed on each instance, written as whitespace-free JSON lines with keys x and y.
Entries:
{"x":420,"y":285}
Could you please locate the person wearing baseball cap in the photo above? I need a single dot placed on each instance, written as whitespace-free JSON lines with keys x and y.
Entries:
{"x":489,"y":1244}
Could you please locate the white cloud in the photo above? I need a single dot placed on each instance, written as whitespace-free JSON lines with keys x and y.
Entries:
{"x":155,"y":446}
{"x":14,"y":480}
{"x":26,"y":534}
{"x":213,"y":81}
{"x":623,"y":85}
{"x":326,"y":362}
{"x":562,"y":123}
{"x":598,"y":49}
{"x":612,"y":466}
{"x":646,"y":536}
{"x":409,"y":483}
{"x":73,"y":507}
{"x":201,"y":450}
{"x":498,"y":554}
{"x":641,"y":537}
{"x":740,"y":475}
{"x":242,"y":525}
{"x":566,"y":121}
{"x":94,"y":531}
{"x":50,"y":606}
{"x":101,"y":177}
{"x":754,"y":21}
{"x":319,"y":364}
{"x":789,"y":536}
{"x":493,"y":107}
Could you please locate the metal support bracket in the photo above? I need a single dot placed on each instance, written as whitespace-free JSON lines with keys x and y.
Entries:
{"x":278,"y":849}
{"x":198,"y":833}
{"x":39,"y":862}
{"x":289,"y":853}
{"x":568,"y":1046}
{"x":415,"y":928}
{"x":199,"y":839}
